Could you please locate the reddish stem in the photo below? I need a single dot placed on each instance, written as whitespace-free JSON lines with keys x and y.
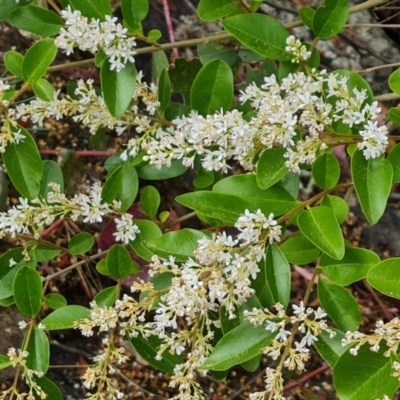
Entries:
{"x":79,"y":153}
{"x":54,"y":226}
{"x":305,"y":378}
{"x":170,"y":27}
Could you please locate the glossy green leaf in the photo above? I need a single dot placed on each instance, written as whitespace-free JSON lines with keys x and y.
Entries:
{"x":326,"y":171}
{"x":64,"y":317}
{"x":394,"y":115}
{"x":134,"y":10}
{"x":252,"y":364}
{"x":203,"y":179}
{"x":320,"y":226}
{"x":4,"y":362}
{"x":24,"y":165}
{"x":154,"y":35}
{"x":107,"y":297}
{"x":262,"y":34}
{"x":122,"y":184}
{"x":180,"y":244}
{"x":52,"y":173}
{"x":97,"y":9}
{"x":338,"y":205}
{"x":102,"y":268}
{"x":150,"y":201}
{"x":45,"y":253}
{"x":152,"y":173}
{"x":255,"y":5}
{"x":210,"y":10}
{"x":149,"y":231}
{"x":353,"y":267}
{"x":217,"y":51}
{"x":119,"y":262}
{"x":299,"y":250}
{"x":271,"y":167}
{"x":278,"y":275}
{"x":340,"y":305}
{"x":27,"y":288}
{"x":37,"y":59}
{"x":55,"y":300}
{"x":159,"y":62}
{"x":147,"y":349}
{"x":224,"y":207}
{"x":212,"y":88}
{"x":394,"y":81}
{"x":232,"y":349}
{"x":80,"y":243}
{"x":118,"y":87}
{"x":50,"y":388}
{"x":366,"y":376}
{"x":385,"y":277}
{"x":275,"y":199}
{"x":37,"y":20}
{"x":164,"y":89}
{"x":330,"y":18}
{"x":372,"y":181}
{"x":330,"y":349}
{"x":43,"y":89}
{"x":8,"y":6}
{"x":307,"y":15}
{"x":13,"y":62}
{"x":39,"y":351}
{"x":394,"y":159}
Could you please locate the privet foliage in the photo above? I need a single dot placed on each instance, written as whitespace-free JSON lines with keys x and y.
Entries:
{"x":211,"y":301}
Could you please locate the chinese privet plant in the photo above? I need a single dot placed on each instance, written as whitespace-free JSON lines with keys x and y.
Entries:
{"x":217,"y":297}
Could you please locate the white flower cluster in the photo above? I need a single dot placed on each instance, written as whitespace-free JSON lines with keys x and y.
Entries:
{"x":34,"y":216}
{"x":299,"y":50}
{"x":309,"y":323}
{"x":93,"y":35}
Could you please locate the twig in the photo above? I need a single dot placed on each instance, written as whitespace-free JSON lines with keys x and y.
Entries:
{"x":305,"y":378}
{"x":79,"y":153}
{"x":368,"y":70}
{"x":385,"y":310}
{"x":170,"y":27}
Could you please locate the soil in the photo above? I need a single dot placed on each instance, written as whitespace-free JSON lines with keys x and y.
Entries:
{"x":356,"y":49}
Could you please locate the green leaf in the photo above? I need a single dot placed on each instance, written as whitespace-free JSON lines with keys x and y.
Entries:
{"x":134,"y":10}
{"x":49,"y":387}
{"x":326,"y":171}
{"x":24,"y":165}
{"x":80,"y":243}
{"x":252,"y":364}
{"x":394,"y":115}
{"x":299,"y":250}
{"x":320,"y":226}
{"x":353,"y":267}
{"x":262,"y":34}
{"x":366,"y":376}
{"x":330,"y":18}
{"x":159,"y":62}
{"x":122,"y":184}
{"x":385,"y":277}
{"x":8,"y":6}
{"x":55,"y":300}
{"x":372,"y":181}
{"x":180,"y":244}
{"x":120,"y":263}
{"x":394,"y":81}
{"x":39,"y":351}
{"x":275,"y":199}
{"x":340,"y":305}
{"x":147,"y":349}
{"x":102,"y":268}
{"x":394,"y":159}
{"x":150,"y":201}
{"x":330,"y":349}
{"x":107,"y":297}
{"x":152,"y":173}
{"x":154,"y":35}
{"x":338,"y":205}
{"x":217,"y":51}
{"x":203,"y":179}
{"x":164,"y":89}
{"x":37,"y":20}
{"x":64,"y":317}
{"x":210,"y":10}
{"x":255,"y":5}
{"x":278,"y":275}
{"x":355,"y":81}
{"x":307,"y":15}
{"x":212,"y":88}
{"x":232,"y":349}
{"x":37,"y":59}
{"x":271,"y":167}
{"x":118,"y":87}
{"x":225,"y":207}
{"x":45,"y":253}
{"x":13,"y":62}
{"x":52,"y":173}
{"x":149,"y":231}
{"x":4,"y":362}
{"x":43,"y":89}
{"x":27,"y":288}
{"x":97,"y":9}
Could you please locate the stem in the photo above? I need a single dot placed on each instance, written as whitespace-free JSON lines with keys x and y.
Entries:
{"x":79,"y":153}
{"x":178,"y":220}
{"x":170,"y":27}
{"x":387,"y":97}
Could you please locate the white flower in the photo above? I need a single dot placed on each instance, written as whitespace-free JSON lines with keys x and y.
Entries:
{"x":126,"y":229}
{"x":22,"y":324}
